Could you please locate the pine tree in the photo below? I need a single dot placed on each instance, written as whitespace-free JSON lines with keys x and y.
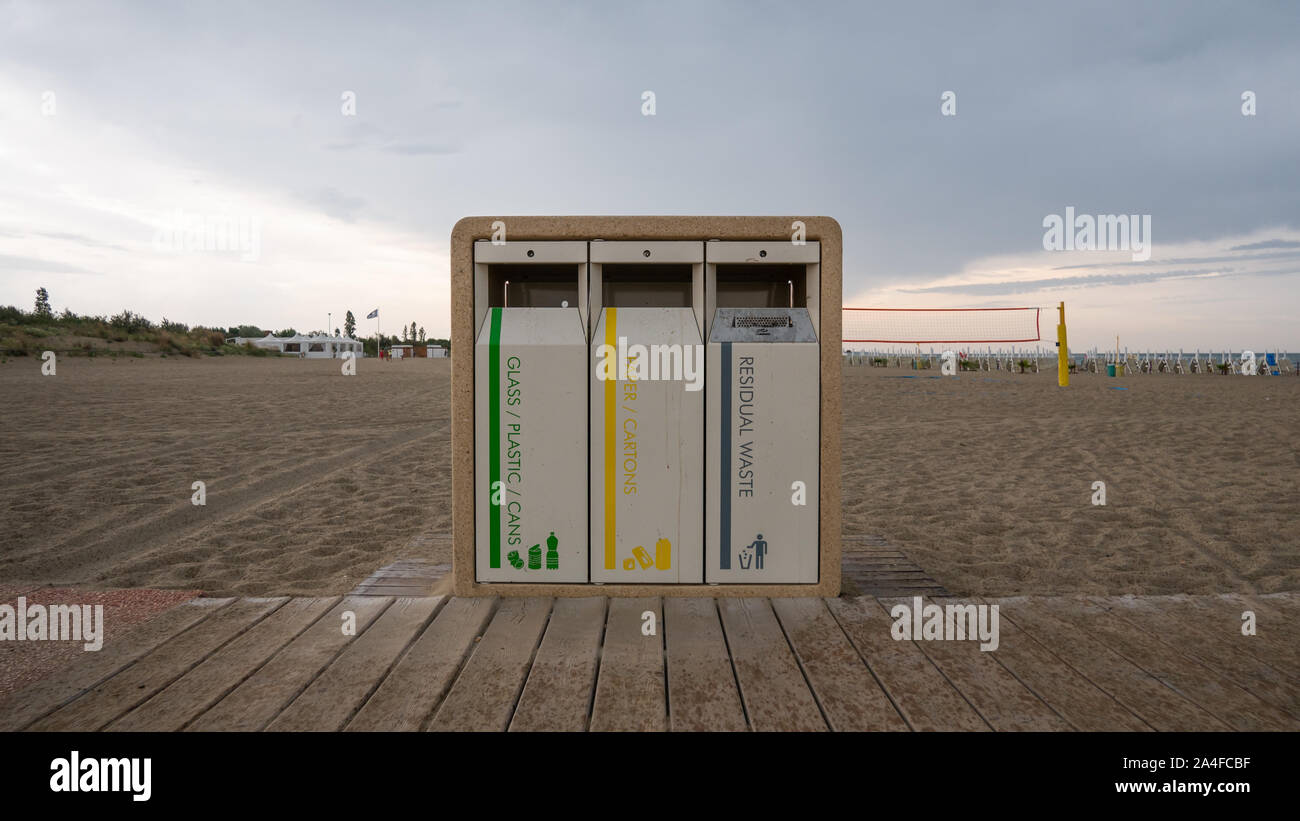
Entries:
{"x":349,"y":324}
{"x":43,"y":303}
{"x":421,"y":334}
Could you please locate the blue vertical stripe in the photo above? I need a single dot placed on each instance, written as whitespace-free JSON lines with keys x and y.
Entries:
{"x":724,"y":481}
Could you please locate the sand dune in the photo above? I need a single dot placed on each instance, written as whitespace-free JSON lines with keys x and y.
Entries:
{"x":314,"y":479}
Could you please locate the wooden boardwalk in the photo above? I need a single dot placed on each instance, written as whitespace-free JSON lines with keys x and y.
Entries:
{"x":871,"y":566}
{"x":445,"y":663}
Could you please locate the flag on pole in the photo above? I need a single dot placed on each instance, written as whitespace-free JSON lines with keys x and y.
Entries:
{"x":373,"y":314}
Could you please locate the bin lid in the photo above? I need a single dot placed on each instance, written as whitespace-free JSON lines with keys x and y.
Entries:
{"x":762,"y":325}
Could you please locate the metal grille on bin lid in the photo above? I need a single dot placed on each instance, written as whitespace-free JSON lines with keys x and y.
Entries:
{"x":762,"y":325}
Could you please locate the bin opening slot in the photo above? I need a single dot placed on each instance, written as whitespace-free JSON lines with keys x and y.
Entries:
{"x":783,"y":321}
{"x":761,"y":286}
{"x":532,"y":286}
{"x":646,"y":286}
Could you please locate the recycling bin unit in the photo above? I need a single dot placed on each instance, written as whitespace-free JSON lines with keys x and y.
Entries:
{"x":645,"y":406}
{"x":762,"y":433}
{"x":647,"y":412}
{"x":530,"y":444}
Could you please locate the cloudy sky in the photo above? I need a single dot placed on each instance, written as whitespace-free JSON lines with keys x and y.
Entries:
{"x":120,"y":123}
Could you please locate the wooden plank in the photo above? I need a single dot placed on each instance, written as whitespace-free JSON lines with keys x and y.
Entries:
{"x":849,"y":695}
{"x":92,"y":669}
{"x":206,"y":684}
{"x":772,"y":686}
{"x":417,"y":684}
{"x":484,"y":695}
{"x":1212,"y":691}
{"x":331,"y":700}
{"x":926,"y":700}
{"x":1002,"y":699}
{"x":1223,"y":653}
{"x":1274,"y":642}
{"x":119,"y":694}
{"x":1157,"y":705}
{"x":558,"y":694}
{"x":1071,"y":694}
{"x":702,"y":691}
{"x":405,"y":591}
{"x":1287,"y":603}
{"x":631,"y":694}
{"x":260,"y":698}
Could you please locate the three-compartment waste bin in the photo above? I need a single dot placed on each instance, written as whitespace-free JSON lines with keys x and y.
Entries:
{"x":645,"y":411}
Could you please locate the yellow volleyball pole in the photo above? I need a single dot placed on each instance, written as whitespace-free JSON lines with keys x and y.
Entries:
{"x":1062,"y":352}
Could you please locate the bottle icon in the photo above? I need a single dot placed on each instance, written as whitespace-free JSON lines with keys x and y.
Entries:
{"x":552,"y":552}
{"x":663,"y":554}
{"x":535,"y":557}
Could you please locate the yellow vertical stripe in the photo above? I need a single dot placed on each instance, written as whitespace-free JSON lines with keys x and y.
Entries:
{"x":611,"y":452}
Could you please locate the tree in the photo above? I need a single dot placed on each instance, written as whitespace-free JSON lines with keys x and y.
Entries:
{"x":421,"y":334}
{"x":349,"y":324}
{"x":412,"y":331}
{"x":43,"y":303}
{"x":336,"y":331}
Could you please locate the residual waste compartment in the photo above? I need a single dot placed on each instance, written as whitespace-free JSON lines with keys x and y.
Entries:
{"x":762,"y":417}
{"x":647,"y":412}
{"x":530,"y":391}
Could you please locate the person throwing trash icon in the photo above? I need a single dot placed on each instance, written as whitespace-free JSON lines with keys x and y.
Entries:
{"x":759,"y":546}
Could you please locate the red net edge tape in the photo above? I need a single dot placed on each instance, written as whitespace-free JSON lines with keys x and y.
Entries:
{"x":943,"y":341}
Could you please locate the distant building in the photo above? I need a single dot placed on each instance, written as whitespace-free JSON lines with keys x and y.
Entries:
{"x":320,"y":346}
{"x":408,"y":351}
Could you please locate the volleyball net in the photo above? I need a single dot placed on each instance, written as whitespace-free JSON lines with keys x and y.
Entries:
{"x":942,"y":325}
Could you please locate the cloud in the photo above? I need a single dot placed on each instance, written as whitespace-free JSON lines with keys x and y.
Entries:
{"x":420,"y":148}
{"x":10,"y":262}
{"x":335,"y":203}
{"x":1269,"y":243}
{"x":1187,"y":260}
{"x":80,"y":239}
{"x":1056,"y":283}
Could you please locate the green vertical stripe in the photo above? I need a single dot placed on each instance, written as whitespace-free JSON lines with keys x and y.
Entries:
{"x":494,"y":439}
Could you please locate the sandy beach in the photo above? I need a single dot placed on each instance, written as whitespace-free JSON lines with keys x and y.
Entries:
{"x":986,"y":480}
{"x":314,"y":480}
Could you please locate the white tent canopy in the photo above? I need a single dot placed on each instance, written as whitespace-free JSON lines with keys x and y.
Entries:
{"x":318,"y":346}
